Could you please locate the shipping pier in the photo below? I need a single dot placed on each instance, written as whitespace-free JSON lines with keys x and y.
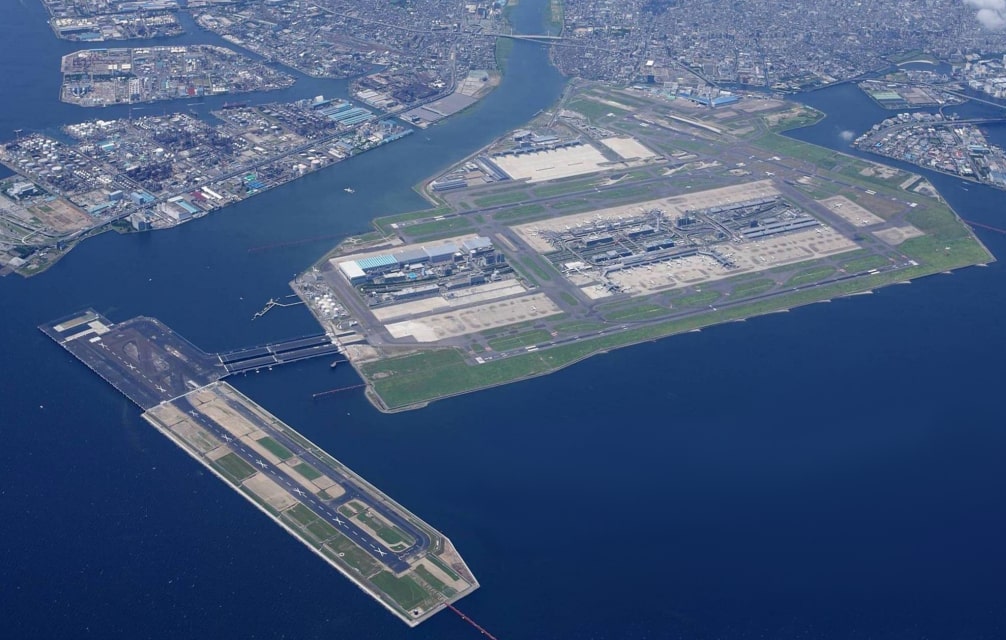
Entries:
{"x":405,"y":564}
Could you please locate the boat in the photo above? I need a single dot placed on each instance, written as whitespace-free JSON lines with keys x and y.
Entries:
{"x":334,"y":364}
{"x":349,"y":190}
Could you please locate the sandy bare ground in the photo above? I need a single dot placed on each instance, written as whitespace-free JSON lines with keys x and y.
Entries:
{"x":470,"y":295}
{"x":897,"y":235}
{"x":266,"y":488}
{"x":473,"y":319}
{"x":850,"y":211}
{"x":61,"y":216}
{"x":440,"y":574}
{"x":197,"y":437}
{"x":628,"y":148}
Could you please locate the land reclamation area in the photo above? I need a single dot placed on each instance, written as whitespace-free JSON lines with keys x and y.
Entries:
{"x":619,"y":216}
{"x":412,"y":569}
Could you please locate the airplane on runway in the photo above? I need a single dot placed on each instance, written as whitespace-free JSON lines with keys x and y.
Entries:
{"x":299,"y":492}
{"x":227,"y":438}
{"x":103,"y":346}
{"x":380,"y":552}
{"x":131,"y":367}
{"x":160,"y":388}
{"x":261,"y":464}
{"x":339,"y":522}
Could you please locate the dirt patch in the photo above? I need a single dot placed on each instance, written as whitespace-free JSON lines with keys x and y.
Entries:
{"x":851,"y":212}
{"x":271,"y":493}
{"x":897,"y":235}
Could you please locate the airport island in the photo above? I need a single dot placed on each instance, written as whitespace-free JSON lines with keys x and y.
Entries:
{"x":617,"y":217}
{"x":390,"y":553}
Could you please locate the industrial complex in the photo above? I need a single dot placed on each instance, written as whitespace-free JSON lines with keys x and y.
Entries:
{"x":390,"y":553}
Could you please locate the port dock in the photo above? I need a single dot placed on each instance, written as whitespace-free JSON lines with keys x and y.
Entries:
{"x":412,"y":569}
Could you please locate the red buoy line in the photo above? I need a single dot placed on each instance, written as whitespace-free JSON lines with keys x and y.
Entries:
{"x":983,"y":226}
{"x":471,"y":622}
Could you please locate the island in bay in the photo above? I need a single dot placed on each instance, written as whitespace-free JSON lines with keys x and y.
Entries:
{"x":621,"y":215}
{"x":648,"y":201}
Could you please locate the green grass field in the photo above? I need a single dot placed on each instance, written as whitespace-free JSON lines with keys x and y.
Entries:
{"x":443,"y":566}
{"x":307,"y":471}
{"x":511,"y":197}
{"x":637,"y":312}
{"x":752,"y":288}
{"x":430,"y":579}
{"x":809,"y":276}
{"x":275,"y":448}
{"x":525,"y":339}
{"x":405,"y":591}
{"x":515,"y":214}
{"x":234,"y":467}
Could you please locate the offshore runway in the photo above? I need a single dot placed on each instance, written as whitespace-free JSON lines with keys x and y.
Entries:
{"x":390,"y":553}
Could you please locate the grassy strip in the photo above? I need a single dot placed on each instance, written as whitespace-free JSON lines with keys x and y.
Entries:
{"x":503,"y":48}
{"x":300,"y":514}
{"x":430,"y":579}
{"x":555,"y":16}
{"x":701,"y":299}
{"x":753,"y":288}
{"x":405,"y":591}
{"x":511,"y":197}
{"x":519,"y":213}
{"x":865,"y":263}
{"x":569,"y":298}
{"x":810,"y":275}
{"x":520,"y":340}
{"x":579,"y":326}
{"x":563,"y":188}
{"x":824,"y":158}
{"x":275,"y":448}
{"x":443,"y":566}
{"x":234,"y":467}
{"x":637,"y":312}
{"x":438,"y":228}
{"x":594,"y":110}
{"x":536,"y":268}
{"x":384,"y":224}
{"x":307,"y":471}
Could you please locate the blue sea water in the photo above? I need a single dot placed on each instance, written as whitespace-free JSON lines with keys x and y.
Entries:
{"x":834,"y":472}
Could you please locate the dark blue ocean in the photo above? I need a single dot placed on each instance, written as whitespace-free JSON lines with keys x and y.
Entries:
{"x":835,"y":472}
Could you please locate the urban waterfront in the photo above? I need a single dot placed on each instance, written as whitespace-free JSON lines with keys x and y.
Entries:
{"x":833,"y":472}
